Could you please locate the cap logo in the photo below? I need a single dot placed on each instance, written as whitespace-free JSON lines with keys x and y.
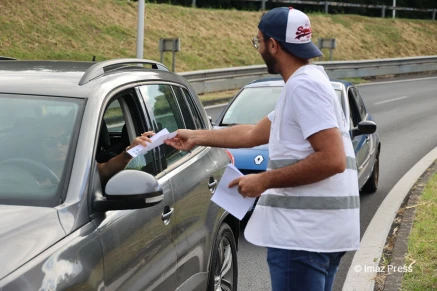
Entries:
{"x":301,"y":32}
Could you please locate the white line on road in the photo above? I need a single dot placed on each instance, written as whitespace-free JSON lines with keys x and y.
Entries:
{"x":215,"y":106}
{"x":391,"y":100}
{"x":396,"y":81}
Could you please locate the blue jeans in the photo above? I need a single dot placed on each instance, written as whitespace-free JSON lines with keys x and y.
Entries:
{"x":292,"y":270}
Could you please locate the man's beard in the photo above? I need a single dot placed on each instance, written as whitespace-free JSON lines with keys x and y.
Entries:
{"x":270,"y":62}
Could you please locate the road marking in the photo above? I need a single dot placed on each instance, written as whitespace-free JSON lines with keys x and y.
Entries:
{"x":391,"y":100}
{"x":215,"y":106}
{"x":395,"y":81}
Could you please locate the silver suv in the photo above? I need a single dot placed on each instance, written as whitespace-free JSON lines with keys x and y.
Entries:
{"x":152,"y":226}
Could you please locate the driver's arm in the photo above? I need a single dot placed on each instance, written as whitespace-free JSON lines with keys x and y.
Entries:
{"x":118,"y":163}
{"x":113,"y":166}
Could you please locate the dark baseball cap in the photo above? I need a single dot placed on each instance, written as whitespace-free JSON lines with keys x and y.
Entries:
{"x":292,"y":29}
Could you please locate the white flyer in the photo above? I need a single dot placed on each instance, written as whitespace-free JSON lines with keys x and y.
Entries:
{"x":157,"y":140}
{"x":228,"y":198}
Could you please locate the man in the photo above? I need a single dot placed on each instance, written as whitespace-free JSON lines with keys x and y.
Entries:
{"x":308,"y":212}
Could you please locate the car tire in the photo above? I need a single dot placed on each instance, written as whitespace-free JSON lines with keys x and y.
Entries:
{"x":372,"y":183}
{"x":223,"y":271}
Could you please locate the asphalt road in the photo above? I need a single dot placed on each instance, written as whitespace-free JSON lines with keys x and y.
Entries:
{"x":405,"y":113}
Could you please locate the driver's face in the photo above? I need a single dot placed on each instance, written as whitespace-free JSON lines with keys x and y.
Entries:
{"x":55,"y":144}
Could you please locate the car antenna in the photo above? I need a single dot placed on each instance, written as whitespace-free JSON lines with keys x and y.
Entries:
{"x":94,"y":58}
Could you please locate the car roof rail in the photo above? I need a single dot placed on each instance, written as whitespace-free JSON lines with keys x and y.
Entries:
{"x":2,"y":58}
{"x":99,"y":69}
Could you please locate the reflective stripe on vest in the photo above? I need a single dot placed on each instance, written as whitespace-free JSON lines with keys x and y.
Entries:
{"x":351,"y":163}
{"x":310,"y":202}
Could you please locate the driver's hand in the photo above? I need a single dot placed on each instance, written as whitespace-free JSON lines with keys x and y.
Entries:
{"x":143,"y":139}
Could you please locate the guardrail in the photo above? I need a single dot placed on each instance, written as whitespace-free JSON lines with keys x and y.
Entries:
{"x":215,"y":80}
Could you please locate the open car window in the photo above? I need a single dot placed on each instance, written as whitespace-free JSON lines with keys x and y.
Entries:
{"x":36,"y":135}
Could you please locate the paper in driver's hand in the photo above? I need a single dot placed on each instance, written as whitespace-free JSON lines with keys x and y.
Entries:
{"x":228,"y":198}
{"x":157,"y":140}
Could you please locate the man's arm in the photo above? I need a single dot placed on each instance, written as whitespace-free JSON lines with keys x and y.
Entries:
{"x":327,"y":160}
{"x":237,"y":136}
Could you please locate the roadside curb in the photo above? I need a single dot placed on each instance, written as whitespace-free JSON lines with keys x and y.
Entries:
{"x":391,"y":280}
{"x":364,"y":266}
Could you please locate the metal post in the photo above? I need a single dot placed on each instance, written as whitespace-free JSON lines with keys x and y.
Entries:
{"x":383,"y":11}
{"x":433,"y":14}
{"x":326,"y":7}
{"x":194,"y":3}
{"x":319,"y":45}
{"x":174,"y":58}
{"x":263,"y":5}
{"x":161,"y":60}
{"x":140,"y":29}
{"x":394,"y":9}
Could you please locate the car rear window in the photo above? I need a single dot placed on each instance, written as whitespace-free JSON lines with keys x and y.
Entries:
{"x":35,"y":138}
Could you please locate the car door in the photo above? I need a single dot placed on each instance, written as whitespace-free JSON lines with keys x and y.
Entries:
{"x":137,"y":244}
{"x":361,"y":143}
{"x":192,"y":179}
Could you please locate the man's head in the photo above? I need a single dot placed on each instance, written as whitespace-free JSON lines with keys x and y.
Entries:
{"x":288,"y":30}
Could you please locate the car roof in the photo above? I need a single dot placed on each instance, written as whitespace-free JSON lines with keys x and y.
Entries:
{"x":57,"y":78}
{"x":279,"y":82}
{"x":61,"y":78}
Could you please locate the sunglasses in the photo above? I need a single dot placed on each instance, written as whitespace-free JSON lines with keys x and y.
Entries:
{"x":255,"y":41}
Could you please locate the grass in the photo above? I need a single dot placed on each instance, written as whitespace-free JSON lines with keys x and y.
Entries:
{"x":422,"y":243}
{"x":210,"y":38}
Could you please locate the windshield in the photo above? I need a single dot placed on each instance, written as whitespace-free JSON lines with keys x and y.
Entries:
{"x":35,"y":138}
{"x":253,"y":104}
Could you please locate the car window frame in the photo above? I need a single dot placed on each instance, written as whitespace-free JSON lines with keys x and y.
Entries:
{"x":184,"y":99}
{"x":353,"y":107}
{"x":192,"y":105}
{"x":190,"y":154}
{"x":360,"y":103}
{"x":140,"y":123}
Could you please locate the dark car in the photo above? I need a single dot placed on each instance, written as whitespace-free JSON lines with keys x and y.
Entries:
{"x":152,"y":226}
{"x":257,"y":99}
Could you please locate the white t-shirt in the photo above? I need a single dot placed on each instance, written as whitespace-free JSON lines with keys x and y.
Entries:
{"x":319,"y":217}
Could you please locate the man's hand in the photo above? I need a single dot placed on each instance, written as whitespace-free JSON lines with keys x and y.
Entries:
{"x":252,"y":185}
{"x":183,"y":140}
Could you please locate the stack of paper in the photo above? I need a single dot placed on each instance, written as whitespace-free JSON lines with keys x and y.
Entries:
{"x":228,"y":198}
{"x":157,"y":140}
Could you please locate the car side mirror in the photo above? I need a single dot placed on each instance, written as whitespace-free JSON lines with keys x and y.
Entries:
{"x":210,"y":120}
{"x":129,"y":189}
{"x":364,"y":127}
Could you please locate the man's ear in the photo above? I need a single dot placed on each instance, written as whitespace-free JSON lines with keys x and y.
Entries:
{"x":273,"y":46}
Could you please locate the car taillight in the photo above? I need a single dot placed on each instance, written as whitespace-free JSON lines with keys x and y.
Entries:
{"x":231,"y":157}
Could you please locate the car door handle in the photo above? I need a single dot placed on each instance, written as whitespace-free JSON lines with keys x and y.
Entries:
{"x":169,"y":212}
{"x":212,"y":184}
